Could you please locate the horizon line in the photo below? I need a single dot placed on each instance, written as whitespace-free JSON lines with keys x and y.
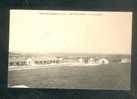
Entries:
{"x":67,"y":53}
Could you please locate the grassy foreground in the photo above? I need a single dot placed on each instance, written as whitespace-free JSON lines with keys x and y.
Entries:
{"x":111,"y":77}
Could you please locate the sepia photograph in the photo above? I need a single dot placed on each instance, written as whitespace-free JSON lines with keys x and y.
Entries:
{"x":58,"y":49}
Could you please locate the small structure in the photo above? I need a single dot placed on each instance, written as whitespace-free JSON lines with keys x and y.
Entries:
{"x":125,"y":60}
{"x":17,"y":61}
{"x":69,"y":61}
{"x":91,"y":61}
{"x":103,"y":61}
{"x":46,"y":60}
{"x":81,"y":60}
{"x":29,"y":61}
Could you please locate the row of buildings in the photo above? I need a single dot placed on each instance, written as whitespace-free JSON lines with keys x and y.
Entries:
{"x":30,"y":60}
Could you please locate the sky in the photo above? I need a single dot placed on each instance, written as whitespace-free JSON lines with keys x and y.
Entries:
{"x":50,"y":31}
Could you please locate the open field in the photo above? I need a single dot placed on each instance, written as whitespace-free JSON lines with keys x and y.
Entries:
{"x":110,"y":76}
